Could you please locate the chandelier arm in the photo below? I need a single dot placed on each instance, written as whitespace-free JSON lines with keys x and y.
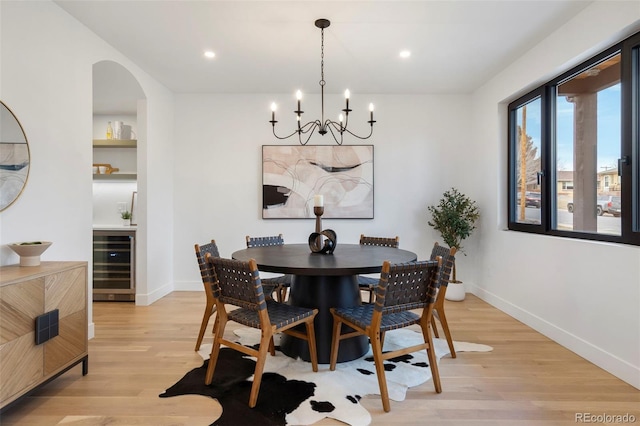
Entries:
{"x":332,"y":125}
{"x":342,"y":129}
{"x":336,"y":125}
{"x":304,"y":129}
{"x":282,"y":137}
{"x":360,"y":137}
{"x":346,"y":121}
{"x":308,"y":137}
{"x":309,"y":127}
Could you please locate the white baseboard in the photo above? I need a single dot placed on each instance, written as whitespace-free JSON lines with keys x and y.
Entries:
{"x":148,"y":299}
{"x":598,"y":356}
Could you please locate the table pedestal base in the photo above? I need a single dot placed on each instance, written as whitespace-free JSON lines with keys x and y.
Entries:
{"x":324,"y":292}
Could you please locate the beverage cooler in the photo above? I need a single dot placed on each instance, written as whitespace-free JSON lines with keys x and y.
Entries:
{"x":114,"y":265}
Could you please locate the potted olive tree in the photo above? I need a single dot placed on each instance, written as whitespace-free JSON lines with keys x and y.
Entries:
{"x":454,"y":217}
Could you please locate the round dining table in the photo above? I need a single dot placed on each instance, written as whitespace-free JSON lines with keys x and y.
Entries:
{"x":324,"y":281}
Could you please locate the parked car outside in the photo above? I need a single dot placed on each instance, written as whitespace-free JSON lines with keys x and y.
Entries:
{"x":531,"y":199}
{"x":603,"y":204}
{"x":615,"y":207}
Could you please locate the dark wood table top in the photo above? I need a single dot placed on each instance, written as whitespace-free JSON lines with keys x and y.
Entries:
{"x":347,"y":259}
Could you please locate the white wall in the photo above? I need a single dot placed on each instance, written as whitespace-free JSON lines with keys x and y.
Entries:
{"x":155,"y":234}
{"x":46,"y":79}
{"x":582,"y":294}
{"x":218,"y":170}
{"x":106,"y":197}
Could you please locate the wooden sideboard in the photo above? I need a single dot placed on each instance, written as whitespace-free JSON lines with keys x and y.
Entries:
{"x":27,"y":293}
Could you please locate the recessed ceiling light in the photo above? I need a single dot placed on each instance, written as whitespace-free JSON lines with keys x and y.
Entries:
{"x":209,"y":54}
{"x":405,"y":54}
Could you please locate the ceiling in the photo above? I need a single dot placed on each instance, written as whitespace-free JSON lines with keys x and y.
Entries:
{"x":274,"y":46}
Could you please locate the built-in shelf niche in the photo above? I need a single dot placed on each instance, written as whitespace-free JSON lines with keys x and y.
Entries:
{"x":115,"y":143}
{"x":117,"y":153}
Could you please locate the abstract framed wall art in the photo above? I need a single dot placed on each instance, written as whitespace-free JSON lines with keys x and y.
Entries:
{"x":293,"y":174}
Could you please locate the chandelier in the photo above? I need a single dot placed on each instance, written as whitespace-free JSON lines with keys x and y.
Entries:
{"x":336,"y":128}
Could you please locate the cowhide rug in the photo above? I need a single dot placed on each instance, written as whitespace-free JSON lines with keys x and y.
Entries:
{"x":291,"y":393}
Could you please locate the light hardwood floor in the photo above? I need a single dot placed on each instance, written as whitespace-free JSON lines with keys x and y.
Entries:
{"x":139,"y":351}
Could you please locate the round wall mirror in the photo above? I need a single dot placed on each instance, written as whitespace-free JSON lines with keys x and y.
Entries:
{"x":14,"y":157}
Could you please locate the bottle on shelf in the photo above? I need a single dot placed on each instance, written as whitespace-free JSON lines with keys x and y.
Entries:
{"x":109,"y":131}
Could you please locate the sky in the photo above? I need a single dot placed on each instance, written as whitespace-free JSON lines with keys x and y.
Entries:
{"x":608,"y":137}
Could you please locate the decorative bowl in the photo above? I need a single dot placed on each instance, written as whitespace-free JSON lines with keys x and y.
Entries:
{"x":30,"y":251}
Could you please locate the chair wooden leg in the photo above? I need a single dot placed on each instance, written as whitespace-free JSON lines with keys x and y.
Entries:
{"x":272,"y":347}
{"x":376,"y":348}
{"x":382,"y":334}
{"x":208,"y":311}
{"x":431,"y":354}
{"x":447,"y":333}
{"x":434,"y":327}
{"x":335,"y":343}
{"x":215,"y":326}
{"x":215,"y":350}
{"x":257,"y":374}
{"x":311,"y":340}
{"x":216,"y":323}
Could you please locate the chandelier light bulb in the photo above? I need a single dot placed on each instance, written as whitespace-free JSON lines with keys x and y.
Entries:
{"x":298,"y":111}
{"x":274,"y":107}
{"x":371,"y":107}
{"x":347,"y":94}
{"x":340,"y":118}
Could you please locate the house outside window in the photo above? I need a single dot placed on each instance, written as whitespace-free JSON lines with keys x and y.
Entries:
{"x":565,"y":181}
{"x":566,"y":186}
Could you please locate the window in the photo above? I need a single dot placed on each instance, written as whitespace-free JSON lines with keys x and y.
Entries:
{"x":574,"y":147}
{"x":527,"y":159}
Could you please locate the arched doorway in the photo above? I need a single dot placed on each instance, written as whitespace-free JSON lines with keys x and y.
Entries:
{"x":117,"y":101}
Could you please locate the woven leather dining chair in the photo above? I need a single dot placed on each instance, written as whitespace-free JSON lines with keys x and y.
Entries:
{"x":448,"y":259}
{"x":281,"y":282}
{"x":237,"y":283}
{"x":402,"y":288}
{"x":210,"y":308}
{"x":367,"y":283}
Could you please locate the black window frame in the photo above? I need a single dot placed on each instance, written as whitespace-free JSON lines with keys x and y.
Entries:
{"x":629,"y":50}
{"x":513,"y":131}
